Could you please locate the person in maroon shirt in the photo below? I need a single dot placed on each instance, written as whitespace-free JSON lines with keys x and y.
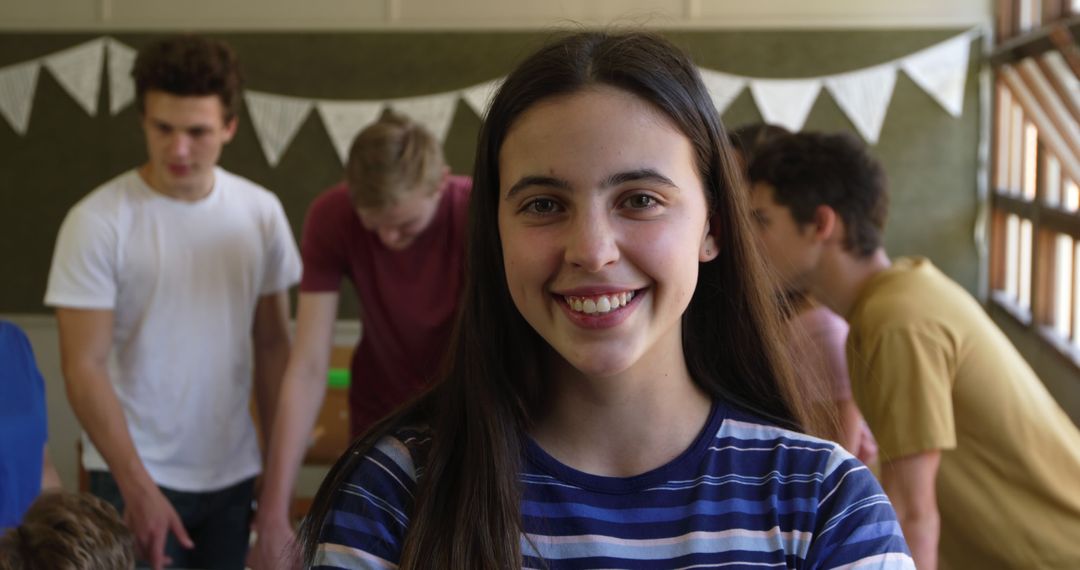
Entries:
{"x":396,"y":229}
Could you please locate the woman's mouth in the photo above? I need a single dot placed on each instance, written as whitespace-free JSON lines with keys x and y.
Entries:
{"x":598,"y":304}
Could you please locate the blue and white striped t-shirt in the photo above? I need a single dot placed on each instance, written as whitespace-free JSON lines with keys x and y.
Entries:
{"x":745,"y":494}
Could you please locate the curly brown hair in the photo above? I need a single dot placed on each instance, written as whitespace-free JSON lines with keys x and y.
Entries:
{"x":68,"y":531}
{"x":189,"y":65}
{"x":748,"y":138}
{"x":807,"y":170}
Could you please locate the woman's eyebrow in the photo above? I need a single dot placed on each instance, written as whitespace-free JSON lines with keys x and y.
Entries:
{"x":547,"y":181}
{"x":639,"y":175}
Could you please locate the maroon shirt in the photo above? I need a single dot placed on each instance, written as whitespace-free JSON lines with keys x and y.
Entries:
{"x":407,"y":298}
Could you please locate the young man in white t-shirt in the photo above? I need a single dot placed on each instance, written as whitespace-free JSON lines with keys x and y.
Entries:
{"x":180,"y":271}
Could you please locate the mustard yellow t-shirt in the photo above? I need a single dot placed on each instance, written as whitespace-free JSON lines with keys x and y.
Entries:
{"x":930,"y":370}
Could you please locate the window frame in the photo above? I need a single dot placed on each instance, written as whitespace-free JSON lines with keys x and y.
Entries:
{"x":1042,"y":86}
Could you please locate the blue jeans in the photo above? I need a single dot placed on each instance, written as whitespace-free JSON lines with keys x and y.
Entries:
{"x":218,"y":521}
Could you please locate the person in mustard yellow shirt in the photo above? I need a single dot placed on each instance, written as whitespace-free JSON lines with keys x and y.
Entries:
{"x":980,"y":462}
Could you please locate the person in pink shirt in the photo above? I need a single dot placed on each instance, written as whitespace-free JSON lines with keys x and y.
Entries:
{"x":395,"y":228}
{"x":818,"y":339}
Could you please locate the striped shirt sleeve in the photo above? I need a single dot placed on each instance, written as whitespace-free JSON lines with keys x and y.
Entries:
{"x":856,"y":524}
{"x":369,"y":515}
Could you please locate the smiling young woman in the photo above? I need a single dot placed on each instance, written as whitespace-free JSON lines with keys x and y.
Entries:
{"x":615,"y":394}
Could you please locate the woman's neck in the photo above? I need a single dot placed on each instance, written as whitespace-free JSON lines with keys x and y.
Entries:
{"x":624,"y":424}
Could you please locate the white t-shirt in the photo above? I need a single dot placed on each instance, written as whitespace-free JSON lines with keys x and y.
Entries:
{"x":182,"y":280}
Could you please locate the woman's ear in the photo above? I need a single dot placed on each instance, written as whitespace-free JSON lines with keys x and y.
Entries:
{"x":709,"y":247}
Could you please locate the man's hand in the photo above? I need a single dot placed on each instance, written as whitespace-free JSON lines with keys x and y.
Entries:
{"x":867,"y":447}
{"x":151,"y":518}
{"x":274,"y":545}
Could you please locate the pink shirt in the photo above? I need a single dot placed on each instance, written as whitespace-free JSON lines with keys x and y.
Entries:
{"x":821,"y":342}
{"x":407,"y":298}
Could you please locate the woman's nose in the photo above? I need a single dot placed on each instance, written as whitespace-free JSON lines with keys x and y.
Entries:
{"x":591,"y":243}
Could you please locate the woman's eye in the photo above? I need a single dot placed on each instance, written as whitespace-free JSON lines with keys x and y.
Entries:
{"x":641,"y":201}
{"x":542,"y":206}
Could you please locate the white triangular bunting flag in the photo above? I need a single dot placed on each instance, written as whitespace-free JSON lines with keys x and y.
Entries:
{"x":78,"y":70}
{"x":864,"y":97}
{"x":785,"y":102}
{"x":479,"y":97}
{"x":17,"y":86}
{"x":941,"y":70}
{"x":723,"y":88}
{"x":121,"y":85}
{"x":276,"y":119}
{"x":434,"y":112}
{"x":344,"y":119}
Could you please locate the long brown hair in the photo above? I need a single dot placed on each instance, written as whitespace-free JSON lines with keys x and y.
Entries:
{"x":467,"y":509}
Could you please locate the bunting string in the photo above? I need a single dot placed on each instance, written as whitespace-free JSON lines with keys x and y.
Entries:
{"x":863,"y":94}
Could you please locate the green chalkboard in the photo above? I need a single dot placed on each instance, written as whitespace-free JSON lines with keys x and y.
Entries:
{"x":931,"y":157}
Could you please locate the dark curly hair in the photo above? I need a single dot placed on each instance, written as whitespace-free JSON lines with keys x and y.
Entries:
{"x":747,"y":138}
{"x":68,"y":531}
{"x":807,"y":170}
{"x":189,"y":65}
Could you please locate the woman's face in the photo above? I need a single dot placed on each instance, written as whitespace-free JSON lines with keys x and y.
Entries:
{"x":602,"y":218}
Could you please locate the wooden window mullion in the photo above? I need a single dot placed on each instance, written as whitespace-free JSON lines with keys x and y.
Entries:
{"x":998,"y":249}
{"x":1044,"y":250}
{"x":1061,"y":222}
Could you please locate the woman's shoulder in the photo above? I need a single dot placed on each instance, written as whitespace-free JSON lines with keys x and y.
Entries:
{"x":399,"y":454}
{"x":756,"y":446}
{"x":368,"y":517}
{"x":744,"y":429}
{"x":836,"y":494}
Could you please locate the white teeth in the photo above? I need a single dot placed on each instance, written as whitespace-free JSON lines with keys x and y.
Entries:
{"x":599,"y":304}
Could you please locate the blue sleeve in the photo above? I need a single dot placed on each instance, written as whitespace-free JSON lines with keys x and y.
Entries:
{"x":856,"y":523}
{"x":23,"y":425}
{"x":37,"y":380}
{"x":369,"y":515}
{"x":18,"y":362}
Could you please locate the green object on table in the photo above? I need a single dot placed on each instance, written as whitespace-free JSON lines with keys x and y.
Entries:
{"x":338,"y":378}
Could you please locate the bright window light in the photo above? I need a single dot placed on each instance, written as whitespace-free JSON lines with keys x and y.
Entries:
{"x":1071,"y":200}
{"x":1012,"y":242}
{"x":1031,"y":160}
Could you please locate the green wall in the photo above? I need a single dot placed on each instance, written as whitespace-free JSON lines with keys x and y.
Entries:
{"x":930,"y":156}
